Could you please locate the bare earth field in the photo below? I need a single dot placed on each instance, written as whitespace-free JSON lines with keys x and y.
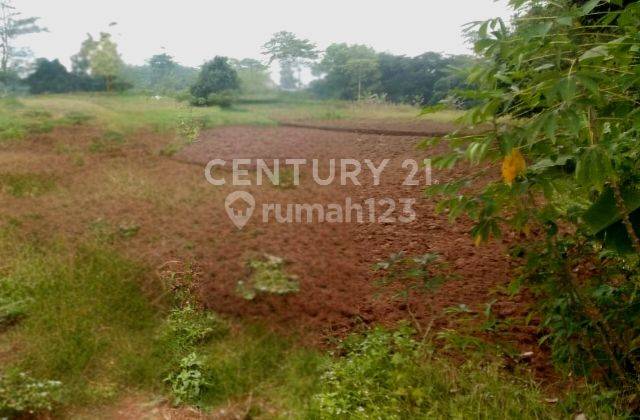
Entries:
{"x":82,"y":183}
{"x":179,"y":217}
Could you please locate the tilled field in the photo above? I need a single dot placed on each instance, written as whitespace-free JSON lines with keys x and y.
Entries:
{"x":334,"y":260}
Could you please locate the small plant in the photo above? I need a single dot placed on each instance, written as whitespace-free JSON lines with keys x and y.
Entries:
{"x":267,"y":276}
{"x":187,"y":132}
{"x":189,"y":382}
{"x":410,"y":274}
{"x":21,"y":395}
{"x":188,"y":326}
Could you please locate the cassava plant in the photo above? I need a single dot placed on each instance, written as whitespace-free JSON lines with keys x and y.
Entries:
{"x":556,"y":150}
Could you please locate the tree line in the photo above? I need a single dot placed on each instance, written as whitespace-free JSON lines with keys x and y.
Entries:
{"x":342,"y":71}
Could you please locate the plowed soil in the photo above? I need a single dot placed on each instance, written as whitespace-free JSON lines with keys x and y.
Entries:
{"x":334,"y":261}
{"x":180,"y":217}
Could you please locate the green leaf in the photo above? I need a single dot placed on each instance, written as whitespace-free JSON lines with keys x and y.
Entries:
{"x":595,"y":52}
{"x":594,"y":167}
{"x":589,"y":6}
{"x":604,"y":212}
{"x":544,"y":164}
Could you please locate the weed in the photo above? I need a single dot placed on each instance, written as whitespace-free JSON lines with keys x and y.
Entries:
{"x":189,"y":382}
{"x":14,"y":300}
{"x":267,"y":276}
{"x":128,"y":230}
{"x":187,"y":327}
{"x":411,"y":274}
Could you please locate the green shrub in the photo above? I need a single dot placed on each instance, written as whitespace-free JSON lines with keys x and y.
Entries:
{"x":592,"y":316}
{"x":216,"y":85}
{"x":558,"y":94}
{"x":21,"y":395}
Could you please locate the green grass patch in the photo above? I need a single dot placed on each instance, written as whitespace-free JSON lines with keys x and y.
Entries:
{"x":25,"y":184}
{"x":390,"y":375}
{"x":86,"y":322}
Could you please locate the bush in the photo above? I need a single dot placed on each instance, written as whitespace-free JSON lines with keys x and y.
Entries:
{"x":591,"y":311}
{"x":216,"y":85}
{"x":558,"y":92}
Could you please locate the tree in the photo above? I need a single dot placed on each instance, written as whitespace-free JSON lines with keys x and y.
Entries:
{"x":348,"y":70}
{"x":253,"y":75}
{"x":105,"y":60}
{"x":558,"y":99}
{"x":217,"y":83}
{"x":292,"y":53}
{"x":81,"y":62}
{"x":12,"y":25}
{"x":288,"y":79}
{"x":50,"y":77}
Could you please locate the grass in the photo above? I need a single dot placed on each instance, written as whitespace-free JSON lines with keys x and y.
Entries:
{"x":76,"y":310}
{"x":25,"y":184}
{"x":80,"y":316}
{"x":86,"y":320}
{"x":128,"y":113}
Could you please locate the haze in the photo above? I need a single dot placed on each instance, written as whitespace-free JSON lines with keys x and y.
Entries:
{"x":194,"y":31}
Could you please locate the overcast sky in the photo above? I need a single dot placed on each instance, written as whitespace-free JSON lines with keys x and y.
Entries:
{"x":196,"y":30}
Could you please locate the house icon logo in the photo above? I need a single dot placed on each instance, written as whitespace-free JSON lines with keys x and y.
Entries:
{"x":240,"y":206}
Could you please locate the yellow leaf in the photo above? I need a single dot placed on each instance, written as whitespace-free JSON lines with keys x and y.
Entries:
{"x":512,"y":166}
{"x":478,"y":240}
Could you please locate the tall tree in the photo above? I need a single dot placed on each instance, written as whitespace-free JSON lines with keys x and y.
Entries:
{"x":81,"y":62}
{"x":12,"y":25}
{"x":292,"y":53}
{"x":349,"y":70}
{"x":162,"y":68}
{"x":254,"y":76}
{"x":105,"y":60}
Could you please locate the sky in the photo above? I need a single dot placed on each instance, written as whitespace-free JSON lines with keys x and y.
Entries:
{"x":194,"y":31}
